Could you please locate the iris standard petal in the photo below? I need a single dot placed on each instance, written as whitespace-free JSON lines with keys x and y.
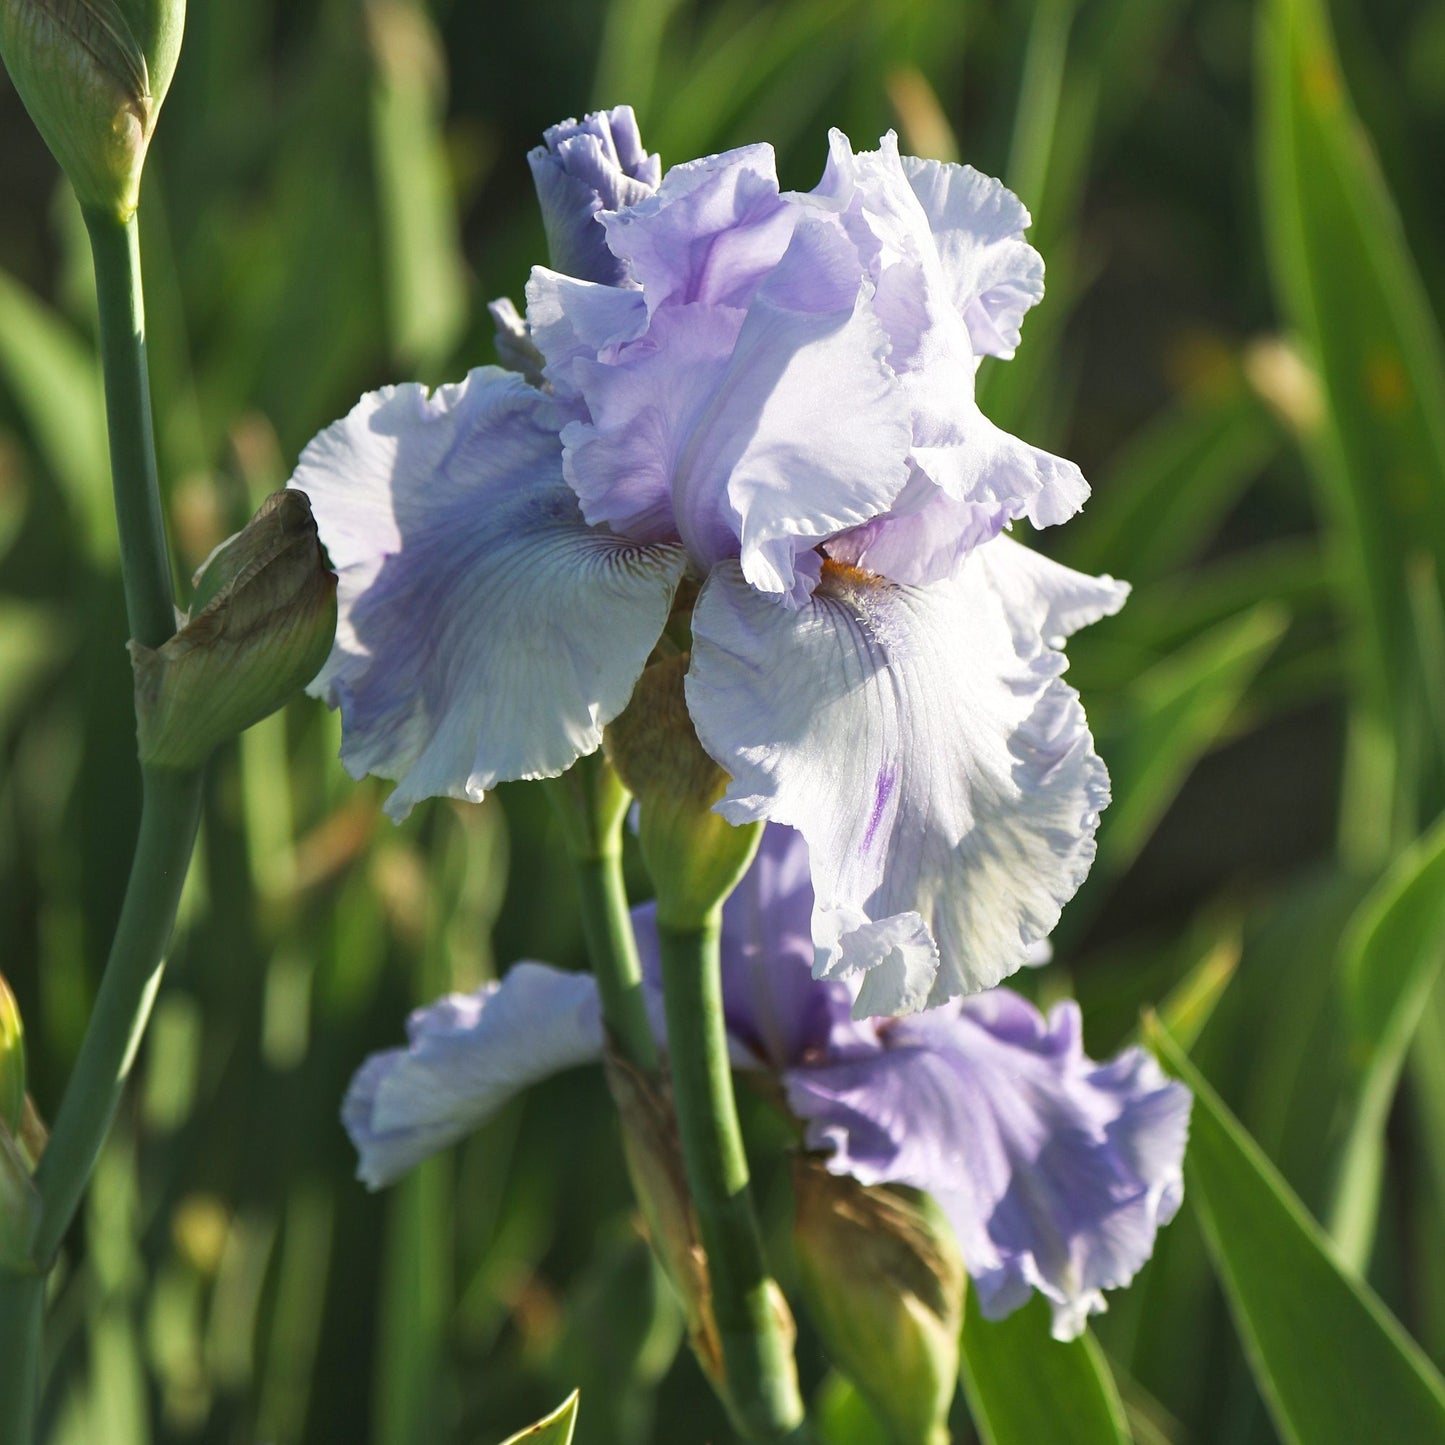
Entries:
{"x":485,"y":632}
{"x":584,"y":167}
{"x":828,"y":441}
{"x":1055,"y":1171}
{"x":752,"y":433}
{"x":993,"y":274}
{"x":644,"y":404}
{"x":568,"y":319}
{"x":923,"y":537}
{"x":922,"y":742}
{"x":713,"y":230}
{"x":466,"y":1056}
{"x":986,"y":477}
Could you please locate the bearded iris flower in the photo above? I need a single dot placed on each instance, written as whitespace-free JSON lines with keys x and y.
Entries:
{"x":769,"y":394}
{"x":1055,"y":1171}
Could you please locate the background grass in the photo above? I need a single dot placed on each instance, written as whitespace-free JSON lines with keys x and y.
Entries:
{"x":1244,"y":243}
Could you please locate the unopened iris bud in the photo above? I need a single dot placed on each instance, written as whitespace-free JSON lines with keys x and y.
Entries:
{"x":884,"y":1283}
{"x":694,"y":856}
{"x":596,"y":164}
{"x":93,"y":75}
{"x":259,"y":629}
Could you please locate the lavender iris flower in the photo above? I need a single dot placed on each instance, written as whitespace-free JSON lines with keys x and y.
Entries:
{"x":775,"y":400}
{"x":1055,"y":1171}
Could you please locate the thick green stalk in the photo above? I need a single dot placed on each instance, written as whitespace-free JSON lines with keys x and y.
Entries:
{"x":169,"y":816}
{"x":170,"y":808}
{"x":22,"y":1302}
{"x":144,"y":558}
{"x":607,"y":924}
{"x":591,"y":805}
{"x":170,"y":812}
{"x":762,"y":1385}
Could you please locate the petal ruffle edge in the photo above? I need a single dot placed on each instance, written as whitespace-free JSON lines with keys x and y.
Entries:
{"x":1055,"y":1171}
{"x":485,"y":632}
{"x":467,"y":1055}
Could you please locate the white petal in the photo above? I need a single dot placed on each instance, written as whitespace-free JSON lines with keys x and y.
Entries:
{"x":994,"y":275}
{"x":923,"y":743}
{"x":467,"y":1055}
{"x":485,"y":631}
{"x":1045,"y":599}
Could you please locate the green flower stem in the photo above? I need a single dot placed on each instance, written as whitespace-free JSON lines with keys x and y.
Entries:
{"x":170,"y":813}
{"x":607,"y":923}
{"x":170,"y":808}
{"x":591,"y":804}
{"x":145,"y":560}
{"x":169,"y":817}
{"x":762,"y":1383}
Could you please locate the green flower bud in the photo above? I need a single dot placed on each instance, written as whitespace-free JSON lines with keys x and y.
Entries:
{"x":261,"y":626}
{"x":12,"y":1061}
{"x":695,"y":857}
{"x":93,"y":74}
{"x":884,"y":1283}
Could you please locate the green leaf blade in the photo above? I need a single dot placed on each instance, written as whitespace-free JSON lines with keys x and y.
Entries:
{"x":1391,"y":958}
{"x":1347,"y":281}
{"x":1023,"y":1386}
{"x":1333,"y":1364}
{"x":553,"y":1429}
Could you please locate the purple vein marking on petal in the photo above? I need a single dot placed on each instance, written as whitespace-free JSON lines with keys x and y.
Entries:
{"x":882,"y":791}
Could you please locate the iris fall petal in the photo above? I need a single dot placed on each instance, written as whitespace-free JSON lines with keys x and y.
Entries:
{"x":485,"y":632}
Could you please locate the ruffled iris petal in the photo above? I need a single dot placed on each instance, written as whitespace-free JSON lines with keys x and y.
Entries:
{"x":712,"y":231}
{"x":569,"y":320}
{"x":922,"y":742}
{"x":941,"y":248}
{"x":993,"y":274}
{"x":485,"y":632}
{"x":467,"y":1055}
{"x":1055,"y":1171}
{"x":747,"y":434}
{"x":924,"y":536}
{"x":643,"y":407}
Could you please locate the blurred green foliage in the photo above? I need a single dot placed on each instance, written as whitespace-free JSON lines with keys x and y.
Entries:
{"x":1240,"y":346}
